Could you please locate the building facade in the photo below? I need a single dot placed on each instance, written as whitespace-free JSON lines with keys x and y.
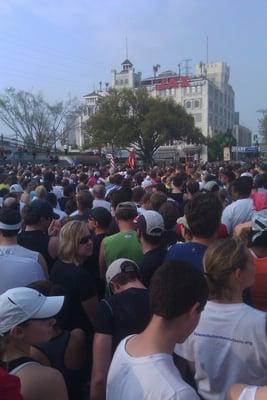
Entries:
{"x":126,"y":78}
{"x":207,"y":95}
{"x":242,"y":135}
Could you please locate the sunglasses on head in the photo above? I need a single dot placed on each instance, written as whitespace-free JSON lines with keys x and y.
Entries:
{"x":85,"y":239}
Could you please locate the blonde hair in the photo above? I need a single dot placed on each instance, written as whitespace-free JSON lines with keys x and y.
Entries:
{"x":221,"y":259}
{"x":41,"y":192}
{"x":69,"y":240}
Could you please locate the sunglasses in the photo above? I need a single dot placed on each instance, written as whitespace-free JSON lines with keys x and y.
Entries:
{"x":85,"y":239}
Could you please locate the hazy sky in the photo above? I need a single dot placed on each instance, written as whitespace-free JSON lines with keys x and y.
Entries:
{"x":66,"y":47}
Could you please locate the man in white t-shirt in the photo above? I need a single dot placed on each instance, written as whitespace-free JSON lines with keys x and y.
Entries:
{"x":142,"y":367}
{"x":241,"y":209}
{"x":10,"y":224}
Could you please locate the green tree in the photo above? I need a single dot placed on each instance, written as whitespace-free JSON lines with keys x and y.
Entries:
{"x":263,"y":125}
{"x":133,"y":118}
{"x":33,"y":120}
{"x":217,"y":143}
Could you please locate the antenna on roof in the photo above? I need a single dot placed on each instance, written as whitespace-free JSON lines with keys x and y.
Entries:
{"x":126,"y":47}
{"x":207,"y":49}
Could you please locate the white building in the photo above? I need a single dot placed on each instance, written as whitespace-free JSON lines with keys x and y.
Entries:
{"x":76,"y":123}
{"x":126,"y":78}
{"x":207,"y":95}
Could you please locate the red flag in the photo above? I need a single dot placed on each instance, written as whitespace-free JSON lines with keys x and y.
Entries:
{"x":131,"y":159}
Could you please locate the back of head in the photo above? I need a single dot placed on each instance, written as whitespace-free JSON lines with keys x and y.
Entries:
{"x":137,"y":194}
{"x":175,"y":287}
{"x":126,"y":211}
{"x":203,"y":214}
{"x":221,"y":259}
{"x":10,"y":222}
{"x":243,"y":186}
{"x":52,"y":199}
{"x":192,"y":187}
{"x":99,"y":191}
{"x":122,"y":271}
{"x":84,"y":200}
{"x":41,"y":192}
{"x":150,"y":224}
{"x":11,"y":202}
{"x":102,"y":216}
{"x":157,"y":199}
{"x":170,"y":213}
{"x":178,"y":180}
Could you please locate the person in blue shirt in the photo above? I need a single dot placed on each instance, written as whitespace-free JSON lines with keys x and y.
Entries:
{"x":203,"y":217}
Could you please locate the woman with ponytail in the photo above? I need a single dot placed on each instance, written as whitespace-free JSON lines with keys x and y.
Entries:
{"x":229,"y":345}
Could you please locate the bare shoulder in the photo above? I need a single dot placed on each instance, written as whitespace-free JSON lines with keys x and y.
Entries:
{"x":39,"y":382}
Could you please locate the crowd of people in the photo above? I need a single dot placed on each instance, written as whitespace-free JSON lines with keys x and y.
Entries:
{"x":133,"y":284}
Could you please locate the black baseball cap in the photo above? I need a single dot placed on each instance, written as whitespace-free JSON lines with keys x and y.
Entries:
{"x":101,"y":215}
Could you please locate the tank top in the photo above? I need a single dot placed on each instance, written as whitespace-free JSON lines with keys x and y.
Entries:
{"x":15,"y":365}
{"x":248,"y":393}
{"x":37,"y":241}
{"x":122,"y":244}
{"x":55,"y":350}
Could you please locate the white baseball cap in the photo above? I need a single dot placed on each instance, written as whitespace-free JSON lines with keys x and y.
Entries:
{"x":16,"y":188}
{"x":118,"y":266}
{"x":151,"y":222}
{"x":21,"y":304}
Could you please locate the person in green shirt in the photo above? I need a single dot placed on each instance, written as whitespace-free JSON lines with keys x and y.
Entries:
{"x":124,"y":244}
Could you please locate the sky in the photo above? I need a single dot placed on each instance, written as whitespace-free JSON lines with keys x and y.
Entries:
{"x":66,"y":47}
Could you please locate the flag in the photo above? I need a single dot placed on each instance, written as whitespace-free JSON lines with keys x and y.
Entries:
{"x":112,"y":162}
{"x":131,"y":159}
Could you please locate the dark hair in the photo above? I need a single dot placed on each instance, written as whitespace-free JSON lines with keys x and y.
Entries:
{"x":52,"y":199}
{"x":175,"y":287}
{"x":84,"y":200}
{"x":125,"y":277}
{"x":178,"y":180}
{"x":203,"y":214}
{"x":154,"y":240}
{"x":126,"y":214}
{"x":192,"y":187}
{"x":157,"y":199}
{"x":68,"y":190}
{"x":9,"y":216}
{"x":243,"y":186}
{"x":137,"y":194}
{"x":170,"y":213}
{"x":70,"y":206}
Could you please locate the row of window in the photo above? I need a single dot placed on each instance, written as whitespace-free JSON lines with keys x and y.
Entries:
{"x":193,"y":89}
{"x":193,"y":103}
{"x":122,"y":81}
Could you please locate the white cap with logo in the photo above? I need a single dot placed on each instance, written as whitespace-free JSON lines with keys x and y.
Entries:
{"x":22,"y":304}
{"x":118,"y":266}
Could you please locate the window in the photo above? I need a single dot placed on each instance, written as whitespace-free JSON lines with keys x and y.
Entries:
{"x":173,"y":91}
{"x":126,"y":81}
{"x":197,"y":104}
{"x":188,"y":104}
{"x":187,"y":90}
{"x":193,"y":89}
{"x":199,"y":89}
{"x":198,"y":117}
{"x":117,"y":82}
{"x":121,"y":82}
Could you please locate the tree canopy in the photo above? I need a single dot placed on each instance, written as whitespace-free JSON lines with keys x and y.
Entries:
{"x":134,"y":118}
{"x":217,"y":143}
{"x":33,"y":120}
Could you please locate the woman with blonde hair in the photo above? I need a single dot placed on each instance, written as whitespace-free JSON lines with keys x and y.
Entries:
{"x":75,"y":245}
{"x":229,"y":344}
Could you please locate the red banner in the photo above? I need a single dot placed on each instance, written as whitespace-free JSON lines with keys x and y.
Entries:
{"x":169,"y":83}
